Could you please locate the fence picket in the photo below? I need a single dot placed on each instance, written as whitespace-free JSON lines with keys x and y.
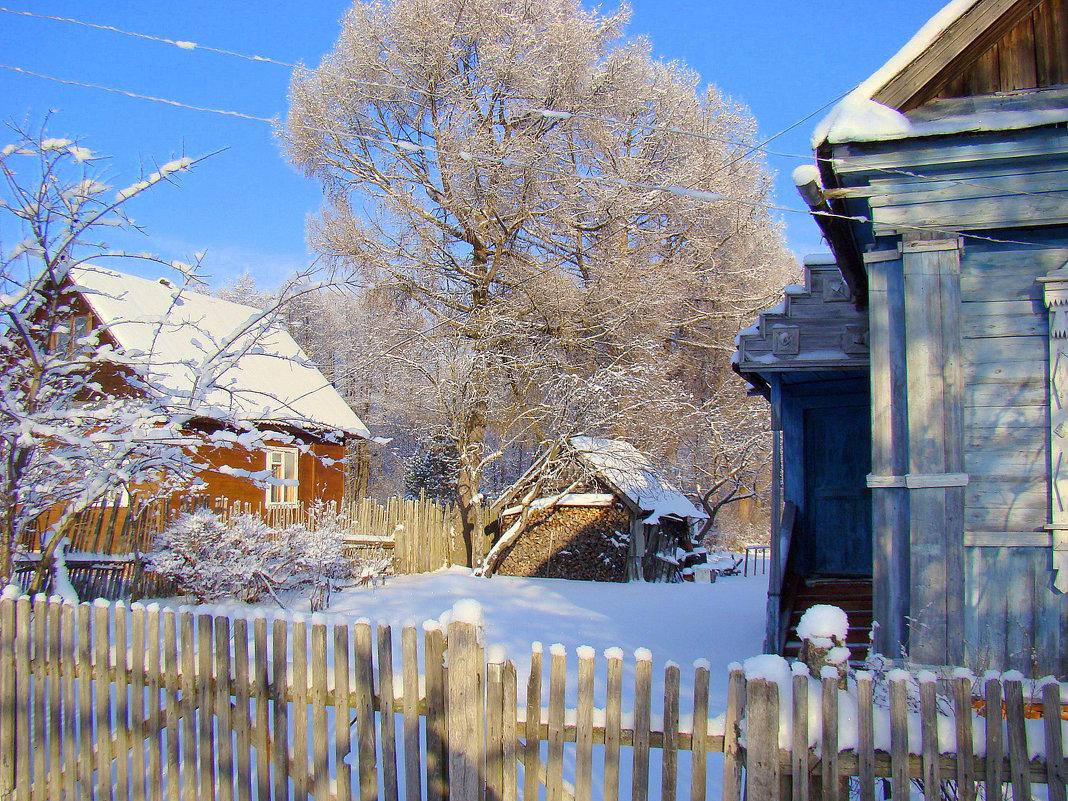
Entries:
{"x":699,"y":743}
{"x":8,"y":695}
{"x":224,"y":748}
{"x":509,"y":733}
{"x":137,"y":701}
{"x":829,"y":739}
{"x":320,"y":730}
{"x":85,"y":701}
{"x":1056,"y":778}
{"x":171,"y":688}
{"x":387,"y":722}
{"x":413,"y":788}
{"x":102,"y":700}
{"x":554,"y":783}
{"x":365,"y":713}
{"x":55,"y":746}
{"x":261,"y":734}
{"x":205,"y":708}
{"x":188,"y":706}
{"x":280,"y":694}
{"x":122,"y":702}
{"x":465,"y":712}
{"x":241,"y":716}
{"x":799,"y":752}
{"x":669,"y":749}
{"x":495,"y":731}
{"x":643,"y":674}
{"x":584,"y":726}
{"x":962,"y":715}
{"x":899,"y":738}
{"x":437,"y":786}
{"x":298,"y":662}
{"x":1018,"y":760}
{"x":39,"y":679}
{"x":932,"y":773}
{"x":532,"y":726}
{"x":68,"y":664}
{"x":732,"y":767}
{"x":342,"y":730}
{"x":762,"y":771}
{"x":866,"y":736}
{"x":995,"y":740}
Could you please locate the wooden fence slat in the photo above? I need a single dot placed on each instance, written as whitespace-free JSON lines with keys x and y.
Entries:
{"x":137,"y":701}
{"x":39,"y":671}
{"x":1018,"y":759}
{"x":387,"y":722}
{"x":241,"y":716}
{"x":799,"y":751}
{"x":260,"y":677}
{"x":510,"y":702}
{"x":206,"y":747}
{"x":737,"y":696}
{"x":8,"y":695}
{"x":320,"y":728}
{"x":55,"y":705}
{"x":437,"y":786}
{"x":413,"y":768}
{"x":932,"y":773}
{"x":829,"y":738}
{"x":762,"y":771}
{"x":866,"y":736}
{"x":613,"y":715}
{"x":699,"y":742}
{"x":342,"y":715}
{"x":669,"y":749}
{"x":1056,"y":778}
{"x":122,"y":701}
{"x":962,"y":715}
{"x":279,"y":753}
{"x":298,"y":661}
{"x":532,"y":725}
{"x":85,"y":701}
{"x":224,"y":727}
{"x":167,"y":668}
{"x":643,"y":674}
{"x":899,"y":737}
{"x":494,"y":731}
{"x":995,"y":740}
{"x":365,"y":714}
{"x":465,"y":711}
{"x":188,"y":706}
{"x":68,"y":665}
{"x":102,"y":699}
{"x":554,"y":784}
{"x":584,"y":726}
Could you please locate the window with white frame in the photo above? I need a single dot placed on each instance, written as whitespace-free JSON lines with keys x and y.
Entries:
{"x":282,"y":464}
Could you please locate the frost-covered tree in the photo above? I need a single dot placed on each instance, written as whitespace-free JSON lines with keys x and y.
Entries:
{"x":432,"y":472}
{"x":503,"y":170}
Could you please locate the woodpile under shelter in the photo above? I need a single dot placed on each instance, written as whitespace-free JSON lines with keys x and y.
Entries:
{"x":919,"y":380}
{"x":593,"y":509}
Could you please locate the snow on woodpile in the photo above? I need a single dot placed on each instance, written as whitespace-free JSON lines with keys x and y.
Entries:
{"x":587,"y":543}
{"x":631,"y":472}
{"x":181,"y":333}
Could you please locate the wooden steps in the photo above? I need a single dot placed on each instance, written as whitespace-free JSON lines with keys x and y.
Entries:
{"x":852,"y":595}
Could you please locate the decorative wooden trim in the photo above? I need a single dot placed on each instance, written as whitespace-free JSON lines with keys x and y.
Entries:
{"x":877,"y":256}
{"x":1055,"y":294}
{"x":885,"y":482}
{"x":932,"y":245}
{"x":936,"y":480}
{"x":1007,"y":539}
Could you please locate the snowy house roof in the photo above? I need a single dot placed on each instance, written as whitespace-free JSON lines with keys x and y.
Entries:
{"x":180,"y":334}
{"x":884,"y":106}
{"x":631,"y":473}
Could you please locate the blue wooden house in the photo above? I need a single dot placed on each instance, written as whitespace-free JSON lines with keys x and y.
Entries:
{"x":919,"y":379}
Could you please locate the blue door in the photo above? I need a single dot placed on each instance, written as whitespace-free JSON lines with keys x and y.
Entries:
{"x":836,"y":519}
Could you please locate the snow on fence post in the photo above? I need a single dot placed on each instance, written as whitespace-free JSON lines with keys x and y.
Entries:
{"x":7,"y":689}
{"x":465,"y":712}
{"x":762,"y":770}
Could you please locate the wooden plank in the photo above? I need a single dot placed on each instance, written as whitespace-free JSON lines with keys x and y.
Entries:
{"x":669,"y":749}
{"x":223,"y":720}
{"x":699,"y":743}
{"x":932,"y":775}
{"x":138,"y":718}
{"x":899,"y":738}
{"x":643,"y":674}
{"x":280,"y":686}
{"x":1017,"y":57}
{"x":995,"y":743}
{"x":413,"y":768}
{"x":259,"y":678}
{"x":495,"y":731}
{"x":465,"y":711}
{"x":510,"y":753}
{"x":532,"y":746}
{"x":437,"y":786}
{"x":584,"y":726}
{"x":1018,"y":756}
{"x":737,"y":694}
{"x":39,"y":722}
{"x":320,"y":742}
{"x":554,"y":771}
{"x":68,"y":669}
{"x":612,"y":721}
{"x":167,"y":671}
{"x":85,"y":702}
{"x":829,"y":738}
{"x":298,"y":662}
{"x":242,"y":718}
{"x":865,"y":736}
{"x":55,"y":721}
{"x":962,"y":715}
{"x":1056,"y":776}
{"x":387,"y":720}
{"x":205,"y":709}
{"x":8,"y":696}
{"x":762,"y":769}
{"x":102,"y":700}
{"x":343,"y":713}
{"x":365,"y":713}
{"x":121,"y":701}
{"x":799,"y":745}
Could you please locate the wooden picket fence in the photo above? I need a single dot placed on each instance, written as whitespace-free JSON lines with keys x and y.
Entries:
{"x":107,"y":701}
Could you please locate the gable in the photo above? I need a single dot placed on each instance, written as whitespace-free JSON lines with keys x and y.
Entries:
{"x":987,"y":47}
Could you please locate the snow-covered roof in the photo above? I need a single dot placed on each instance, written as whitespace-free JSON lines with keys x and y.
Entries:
{"x":180,"y":333}
{"x":859,"y":117}
{"x":630,"y":471}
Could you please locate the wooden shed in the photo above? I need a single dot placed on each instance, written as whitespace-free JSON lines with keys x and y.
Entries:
{"x":923,"y":457}
{"x":593,"y":509}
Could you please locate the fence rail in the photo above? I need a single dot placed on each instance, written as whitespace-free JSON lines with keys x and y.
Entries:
{"x":108,"y":701}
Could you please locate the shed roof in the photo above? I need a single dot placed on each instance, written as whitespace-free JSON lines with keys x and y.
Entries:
{"x":180,"y":334}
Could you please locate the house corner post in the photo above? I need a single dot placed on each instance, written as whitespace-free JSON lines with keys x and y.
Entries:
{"x":1055,"y":295}
{"x":936,"y":479}
{"x":889,"y":449}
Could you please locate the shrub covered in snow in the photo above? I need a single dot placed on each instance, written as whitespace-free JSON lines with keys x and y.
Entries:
{"x":318,"y":553}
{"x":211,"y":559}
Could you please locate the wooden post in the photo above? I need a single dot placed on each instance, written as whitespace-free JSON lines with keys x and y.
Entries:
{"x":223,"y":720}
{"x":737,"y":693}
{"x":261,"y":667}
{"x":387,"y":721}
{"x":55,"y":752}
{"x":1019,"y":762}
{"x":532,"y":727}
{"x":242,"y":717}
{"x":829,"y":739}
{"x":39,"y":668}
{"x":137,"y":698}
{"x":437,"y":786}
{"x":413,"y":790}
{"x":799,"y":746}
{"x":365,"y":714}
{"x":762,"y":771}
{"x":465,"y":721}
{"x":102,"y":699}
{"x":1056,"y":778}
{"x":899,"y":737}
{"x":298,"y":662}
{"x":643,"y":673}
{"x":205,"y":708}
{"x":510,"y":753}
{"x":699,"y":746}
{"x":320,"y":732}
{"x":8,"y":704}
{"x":962,"y":714}
{"x":343,"y":714}
{"x":669,"y":749}
{"x":68,"y":667}
{"x":932,"y":773}
{"x":280,"y":697}
{"x":612,"y":722}
{"x":584,"y":726}
{"x":495,"y":731}
{"x":554,"y":773}
{"x":995,"y":741}
{"x":866,"y":735}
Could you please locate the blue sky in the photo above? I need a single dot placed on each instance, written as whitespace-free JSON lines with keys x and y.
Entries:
{"x":246,"y":207}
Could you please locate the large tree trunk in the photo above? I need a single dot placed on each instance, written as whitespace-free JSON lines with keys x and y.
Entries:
{"x":469,"y":498}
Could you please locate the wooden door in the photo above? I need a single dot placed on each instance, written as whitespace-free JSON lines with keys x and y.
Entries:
{"x":836,"y":519}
